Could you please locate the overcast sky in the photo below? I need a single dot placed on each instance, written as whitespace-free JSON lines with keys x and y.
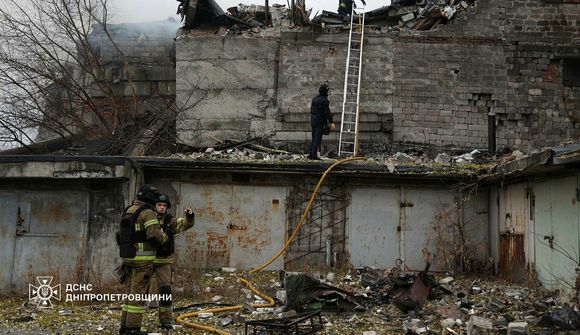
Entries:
{"x":149,"y":10}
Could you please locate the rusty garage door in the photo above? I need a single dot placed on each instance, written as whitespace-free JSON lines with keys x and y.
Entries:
{"x":513,"y":232}
{"x":236,"y":225}
{"x":45,"y":231}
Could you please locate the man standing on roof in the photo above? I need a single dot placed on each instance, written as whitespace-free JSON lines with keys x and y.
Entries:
{"x":345,"y":6}
{"x":139,"y":238}
{"x":320,"y":118}
{"x":171,"y":226}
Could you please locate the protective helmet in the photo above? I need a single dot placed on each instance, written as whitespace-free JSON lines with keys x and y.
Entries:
{"x":323,"y":89}
{"x":164,"y":198}
{"x":148,"y":194}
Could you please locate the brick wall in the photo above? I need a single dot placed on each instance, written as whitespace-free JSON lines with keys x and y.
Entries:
{"x":444,"y":88}
{"x":306,"y":61}
{"x":504,"y":58}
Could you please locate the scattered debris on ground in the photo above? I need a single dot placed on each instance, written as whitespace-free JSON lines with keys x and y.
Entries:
{"x":440,"y":304}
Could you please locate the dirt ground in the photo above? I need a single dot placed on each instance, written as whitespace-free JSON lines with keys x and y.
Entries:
{"x":488,"y":298}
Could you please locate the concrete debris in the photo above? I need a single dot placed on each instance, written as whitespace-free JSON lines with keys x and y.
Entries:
{"x":446,"y":323}
{"x":443,"y":158}
{"x":517,"y":328}
{"x":281,"y":295}
{"x":516,"y":309}
{"x":253,"y":19}
{"x":400,"y":15}
{"x":403,"y":158}
{"x":417,"y":160}
{"x":330,"y":277}
{"x":478,"y":325}
{"x":467,"y":157}
{"x":446,"y":280}
{"x":495,"y":305}
{"x":407,"y":17}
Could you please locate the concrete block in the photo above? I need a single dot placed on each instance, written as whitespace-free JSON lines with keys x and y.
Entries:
{"x":228,"y":74}
{"x":479,"y":326}
{"x":517,"y":328}
{"x":231,"y":48}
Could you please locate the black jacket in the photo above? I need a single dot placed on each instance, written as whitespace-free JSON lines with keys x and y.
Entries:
{"x":320,"y":111}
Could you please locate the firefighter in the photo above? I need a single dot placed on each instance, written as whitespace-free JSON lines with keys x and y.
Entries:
{"x":320,"y":118}
{"x":171,"y":226}
{"x":140,"y":237}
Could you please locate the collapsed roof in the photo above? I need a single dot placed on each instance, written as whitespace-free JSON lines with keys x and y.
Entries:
{"x":402,"y":14}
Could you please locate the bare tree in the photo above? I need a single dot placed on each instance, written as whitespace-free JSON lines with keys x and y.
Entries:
{"x":57,"y":78}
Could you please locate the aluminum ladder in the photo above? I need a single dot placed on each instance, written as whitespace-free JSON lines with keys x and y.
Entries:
{"x":348,"y":139}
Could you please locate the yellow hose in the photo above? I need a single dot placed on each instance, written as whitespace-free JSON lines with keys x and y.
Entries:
{"x":271,"y":303}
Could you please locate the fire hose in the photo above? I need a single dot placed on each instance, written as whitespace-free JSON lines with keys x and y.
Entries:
{"x":270,"y":301}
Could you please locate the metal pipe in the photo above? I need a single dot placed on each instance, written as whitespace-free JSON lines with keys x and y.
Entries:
{"x":328,"y":252}
{"x":402,"y":225}
{"x":267,"y":14}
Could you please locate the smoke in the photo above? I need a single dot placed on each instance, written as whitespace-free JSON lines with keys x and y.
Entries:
{"x":124,"y":11}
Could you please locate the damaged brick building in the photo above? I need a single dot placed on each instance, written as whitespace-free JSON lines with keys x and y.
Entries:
{"x":512,"y":64}
{"x":497,"y":75}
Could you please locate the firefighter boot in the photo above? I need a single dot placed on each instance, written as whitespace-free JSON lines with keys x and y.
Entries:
{"x":136,"y":331}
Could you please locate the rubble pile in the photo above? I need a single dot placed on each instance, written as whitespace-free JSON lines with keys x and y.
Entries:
{"x":248,"y":152}
{"x":453,"y":305}
{"x":400,"y":14}
{"x":405,"y":14}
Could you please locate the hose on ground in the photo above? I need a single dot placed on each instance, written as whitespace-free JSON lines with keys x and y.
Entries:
{"x":270,"y":301}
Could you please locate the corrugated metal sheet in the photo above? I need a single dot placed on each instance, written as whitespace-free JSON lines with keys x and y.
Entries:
{"x":557,"y":231}
{"x":237,"y":226}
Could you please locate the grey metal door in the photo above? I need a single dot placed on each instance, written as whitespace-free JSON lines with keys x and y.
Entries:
{"x":557,"y":232}
{"x":51,"y":237}
{"x":421,"y":207}
{"x":372,"y":230}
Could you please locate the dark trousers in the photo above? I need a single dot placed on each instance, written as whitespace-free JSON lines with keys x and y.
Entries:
{"x":316,"y":140}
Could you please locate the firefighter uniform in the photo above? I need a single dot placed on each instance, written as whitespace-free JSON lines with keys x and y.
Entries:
{"x":163,"y":261}
{"x":141,"y":265}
